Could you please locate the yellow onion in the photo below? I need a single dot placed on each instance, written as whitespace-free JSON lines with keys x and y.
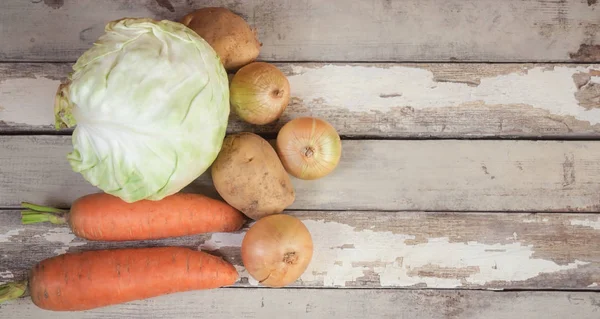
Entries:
{"x":309,"y":148}
{"x":276,"y":250}
{"x":259,"y":93}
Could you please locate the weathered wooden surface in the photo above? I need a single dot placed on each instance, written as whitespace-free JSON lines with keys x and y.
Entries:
{"x":382,"y":249}
{"x":454,"y":175}
{"x":313,"y":30}
{"x":381,"y":100}
{"x":337,"y":303}
{"x":395,"y":214}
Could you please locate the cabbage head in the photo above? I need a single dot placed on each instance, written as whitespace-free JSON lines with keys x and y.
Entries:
{"x":149,"y":103}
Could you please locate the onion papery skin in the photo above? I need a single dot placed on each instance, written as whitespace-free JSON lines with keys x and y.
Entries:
{"x":277,"y":249}
{"x":309,"y":148}
{"x":259,"y":93}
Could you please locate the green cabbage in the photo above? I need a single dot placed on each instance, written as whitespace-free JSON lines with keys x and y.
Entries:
{"x":150,"y":104}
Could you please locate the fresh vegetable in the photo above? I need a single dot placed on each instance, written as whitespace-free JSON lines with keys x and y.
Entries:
{"x":309,"y":147}
{"x":259,"y":93}
{"x":105,"y":217}
{"x":93,"y":279}
{"x":228,"y":33}
{"x":277,"y":249}
{"x":150,"y":102}
{"x":249,"y":176}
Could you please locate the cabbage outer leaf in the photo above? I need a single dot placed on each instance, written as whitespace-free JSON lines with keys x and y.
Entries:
{"x":150,"y":101}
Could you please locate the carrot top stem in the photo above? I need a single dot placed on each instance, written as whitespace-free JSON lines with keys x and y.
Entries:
{"x":44,"y":209}
{"x":40,"y":214}
{"x":32,"y":217}
{"x":12,"y":290}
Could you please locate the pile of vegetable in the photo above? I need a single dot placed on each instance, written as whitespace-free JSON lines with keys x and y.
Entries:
{"x":150,"y":104}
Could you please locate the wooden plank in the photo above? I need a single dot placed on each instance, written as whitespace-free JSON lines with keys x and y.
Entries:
{"x":455,"y":175}
{"x":313,"y":30}
{"x":337,"y":303}
{"x":381,"y":100}
{"x":382,"y":249}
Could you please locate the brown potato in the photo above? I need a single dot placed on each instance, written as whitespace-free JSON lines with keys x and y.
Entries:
{"x":249,"y":176}
{"x":227,"y":33}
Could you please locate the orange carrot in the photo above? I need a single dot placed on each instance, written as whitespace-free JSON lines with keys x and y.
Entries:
{"x":106,"y":217}
{"x":93,"y":279}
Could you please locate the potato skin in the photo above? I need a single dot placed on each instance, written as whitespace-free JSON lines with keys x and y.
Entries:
{"x":227,"y":33}
{"x":249,"y":176}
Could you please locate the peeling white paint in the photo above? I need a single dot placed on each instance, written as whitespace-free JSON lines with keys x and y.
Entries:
{"x":396,"y":259}
{"x":586,"y":222}
{"x":6,"y":276}
{"x":397,"y":262}
{"x":5,"y":238}
{"x":530,"y":220}
{"x":363,"y":88}
{"x":28,"y":100}
{"x":595,"y":284}
{"x":64,"y":236}
{"x":219,"y":240}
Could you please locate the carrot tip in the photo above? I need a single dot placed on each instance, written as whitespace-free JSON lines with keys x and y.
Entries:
{"x":12,"y":290}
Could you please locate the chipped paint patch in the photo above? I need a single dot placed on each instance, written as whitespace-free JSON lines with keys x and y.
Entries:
{"x":166,"y":4}
{"x":64,"y":236}
{"x":385,"y":88}
{"x":5,"y":238}
{"x":586,"y":53}
{"x":588,"y":89}
{"x":586,"y":223}
{"x":531,"y":220}
{"x":6,"y":276}
{"x":220,"y":240}
{"x":22,"y":106}
{"x":595,"y":284}
{"x":54,"y":4}
{"x":436,"y":263}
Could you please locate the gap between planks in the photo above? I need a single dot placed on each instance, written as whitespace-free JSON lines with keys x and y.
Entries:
{"x":270,"y":136}
{"x":291,"y":210}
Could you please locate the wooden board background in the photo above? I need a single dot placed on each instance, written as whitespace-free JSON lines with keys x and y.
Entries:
{"x":382,"y":99}
{"x":383,"y":249}
{"x":314,"y":30}
{"x":422,"y":227}
{"x":449,"y":175}
{"x":338,"y":303}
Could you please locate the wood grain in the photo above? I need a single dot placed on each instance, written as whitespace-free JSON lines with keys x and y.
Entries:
{"x":454,"y":175}
{"x":312,"y":30}
{"x":337,"y":303}
{"x":382,"y":249}
{"x":380,"y":100}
